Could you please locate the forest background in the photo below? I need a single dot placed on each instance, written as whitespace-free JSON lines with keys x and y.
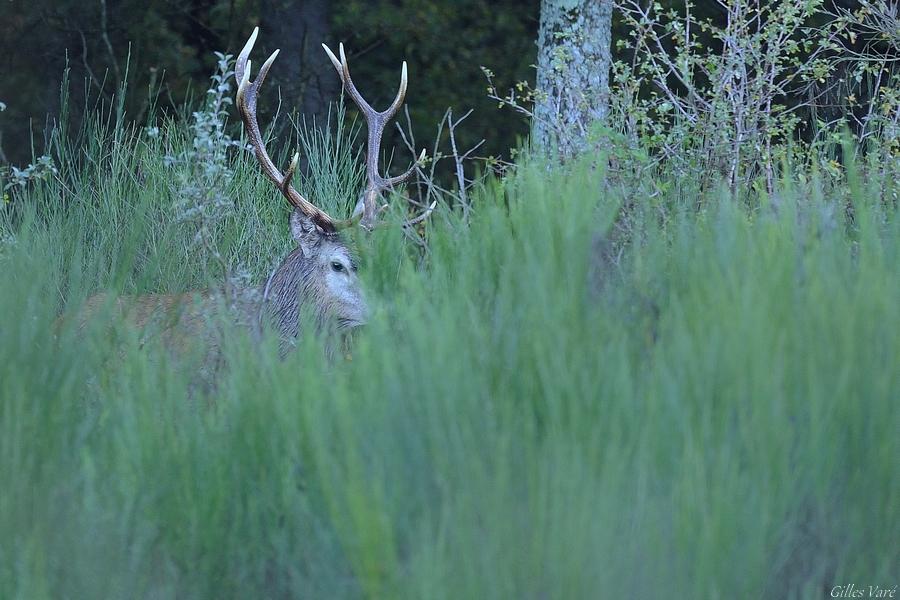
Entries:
{"x":162,"y":52}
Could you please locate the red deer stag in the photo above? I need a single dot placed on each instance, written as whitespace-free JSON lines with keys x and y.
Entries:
{"x":319,"y":277}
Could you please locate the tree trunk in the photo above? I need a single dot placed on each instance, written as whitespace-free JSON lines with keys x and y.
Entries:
{"x":302,"y":72}
{"x":573,"y":73}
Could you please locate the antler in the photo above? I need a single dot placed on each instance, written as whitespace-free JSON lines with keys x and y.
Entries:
{"x":375,"y":121}
{"x":246,"y":103}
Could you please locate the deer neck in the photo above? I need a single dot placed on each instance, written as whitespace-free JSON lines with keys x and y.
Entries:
{"x":288,"y":296}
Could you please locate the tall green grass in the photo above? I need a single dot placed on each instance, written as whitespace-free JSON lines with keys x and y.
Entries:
{"x":713,"y":417}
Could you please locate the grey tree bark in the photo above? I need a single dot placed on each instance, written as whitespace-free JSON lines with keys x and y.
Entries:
{"x":574,"y":60}
{"x":306,"y":78}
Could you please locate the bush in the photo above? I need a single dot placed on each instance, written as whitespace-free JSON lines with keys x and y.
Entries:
{"x":733,"y":98}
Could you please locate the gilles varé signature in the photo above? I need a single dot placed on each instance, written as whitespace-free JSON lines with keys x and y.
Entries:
{"x":851,"y":590}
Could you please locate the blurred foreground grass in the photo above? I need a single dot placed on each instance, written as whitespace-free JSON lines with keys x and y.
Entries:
{"x":713,"y":416}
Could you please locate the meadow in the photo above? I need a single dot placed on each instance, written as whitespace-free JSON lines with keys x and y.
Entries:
{"x":707,"y":412}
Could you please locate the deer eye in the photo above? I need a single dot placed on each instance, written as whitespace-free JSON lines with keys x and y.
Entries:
{"x":337,"y":267}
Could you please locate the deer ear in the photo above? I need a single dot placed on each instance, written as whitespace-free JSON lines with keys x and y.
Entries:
{"x":305,"y":231}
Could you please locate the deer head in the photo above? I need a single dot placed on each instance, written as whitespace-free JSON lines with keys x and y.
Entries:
{"x":320,"y":274}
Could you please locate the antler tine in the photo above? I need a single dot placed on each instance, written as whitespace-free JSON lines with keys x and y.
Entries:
{"x":343,"y":70}
{"x":398,"y":179}
{"x":241,"y":65}
{"x":425,"y":214}
{"x":375,"y":121}
{"x":401,"y":95}
{"x":246,"y":102}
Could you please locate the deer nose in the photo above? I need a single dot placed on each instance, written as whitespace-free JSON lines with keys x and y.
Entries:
{"x":363,"y":311}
